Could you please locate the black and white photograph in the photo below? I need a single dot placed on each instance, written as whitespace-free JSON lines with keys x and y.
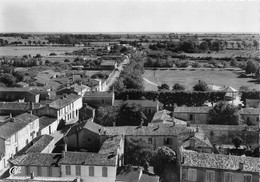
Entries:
{"x":129,"y":90}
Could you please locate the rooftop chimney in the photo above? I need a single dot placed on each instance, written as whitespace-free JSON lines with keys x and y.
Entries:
{"x":114,"y":123}
{"x":10,"y":115}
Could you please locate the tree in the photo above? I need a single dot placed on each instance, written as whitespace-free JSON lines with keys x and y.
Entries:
{"x":224,"y":113}
{"x":234,"y":62}
{"x":244,"y":44}
{"x":204,"y":46}
{"x":161,"y":158}
{"x":255,"y":44}
{"x":164,"y":86}
{"x":138,"y":152}
{"x":47,"y":62}
{"x":238,"y":45}
{"x":237,"y":141}
{"x":7,"y":79}
{"x":30,"y":42}
{"x":216,"y":46}
{"x":251,"y":66}
{"x":226,"y":44}
{"x":178,"y":87}
{"x":232,"y":44}
{"x":130,"y":115}
{"x":106,"y":116}
{"x":201,"y":86}
{"x":118,"y":85}
{"x":19,"y":75}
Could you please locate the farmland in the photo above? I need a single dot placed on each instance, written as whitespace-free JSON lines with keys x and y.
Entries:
{"x":33,"y":50}
{"x":190,"y":78}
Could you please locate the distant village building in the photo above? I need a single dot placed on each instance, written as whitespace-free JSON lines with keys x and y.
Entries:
{"x":98,"y":99}
{"x":12,"y":94}
{"x":253,"y":103}
{"x":108,"y":64}
{"x":196,"y":115}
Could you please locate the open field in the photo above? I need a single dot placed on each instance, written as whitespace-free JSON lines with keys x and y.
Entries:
{"x":190,"y":78}
{"x":33,"y":50}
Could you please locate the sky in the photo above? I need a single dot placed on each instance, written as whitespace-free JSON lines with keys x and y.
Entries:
{"x":129,"y":16}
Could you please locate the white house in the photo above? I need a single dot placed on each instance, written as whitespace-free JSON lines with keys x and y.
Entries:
{"x":16,"y":133}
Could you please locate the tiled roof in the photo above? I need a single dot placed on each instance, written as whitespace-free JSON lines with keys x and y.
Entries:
{"x":38,"y":179}
{"x":13,"y":125}
{"x":89,"y":124}
{"x":254,"y":111}
{"x":218,"y":161}
{"x":111,"y":144}
{"x":87,"y":158}
{"x":199,"y":142}
{"x":36,"y":159}
{"x":192,"y":109}
{"x":62,"y":102}
{"x":37,"y":145}
{"x":13,"y":89}
{"x":154,"y":130}
{"x":253,"y":103}
{"x":22,"y":83}
{"x":46,"y":121}
{"x":98,"y":94}
{"x":211,"y":127}
{"x":161,"y":115}
{"x":108,"y":63}
{"x":15,"y":106}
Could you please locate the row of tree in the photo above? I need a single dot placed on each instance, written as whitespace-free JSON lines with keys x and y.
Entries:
{"x":195,"y":46}
{"x":168,"y":98}
{"x":131,"y":76}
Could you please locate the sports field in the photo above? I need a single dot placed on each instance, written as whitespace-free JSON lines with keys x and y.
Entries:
{"x":190,"y":78}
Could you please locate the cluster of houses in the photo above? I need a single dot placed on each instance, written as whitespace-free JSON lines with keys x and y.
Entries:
{"x":50,"y":135}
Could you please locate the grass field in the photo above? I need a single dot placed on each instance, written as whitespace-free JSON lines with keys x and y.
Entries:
{"x":190,"y":78}
{"x":33,"y":50}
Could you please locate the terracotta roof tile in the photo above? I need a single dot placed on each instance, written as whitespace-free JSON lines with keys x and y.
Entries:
{"x":13,"y":125}
{"x":218,"y":161}
{"x":36,"y":159}
{"x":87,"y":158}
{"x":192,"y":109}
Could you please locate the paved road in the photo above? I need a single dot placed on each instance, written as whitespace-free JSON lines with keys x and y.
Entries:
{"x":115,"y":74}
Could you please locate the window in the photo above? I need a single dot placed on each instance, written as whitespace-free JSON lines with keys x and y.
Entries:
{"x":91,"y":171}
{"x":247,"y":119}
{"x":257,"y":118}
{"x":192,"y":174}
{"x":102,"y":101}
{"x":49,"y":129}
{"x":167,"y":141}
{"x":104,"y":171}
{"x":247,"y":178}
{"x":15,"y":137}
{"x":78,"y":170}
{"x":210,"y":176}
{"x":39,"y":171}
{"x":191,"y":117}
{"x":68,"y":171}
{"x":49,"y":171}
{"x":150,"y":140}
{"x":228,"y":177}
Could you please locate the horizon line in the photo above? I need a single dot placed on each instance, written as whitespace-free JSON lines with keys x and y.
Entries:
{"x":133,"y":32}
